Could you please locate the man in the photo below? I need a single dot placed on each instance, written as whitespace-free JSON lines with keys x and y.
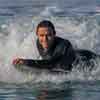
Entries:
{"x":52,"y":48}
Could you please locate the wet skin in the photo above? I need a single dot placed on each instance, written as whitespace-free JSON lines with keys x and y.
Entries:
{"x":45,"y":36}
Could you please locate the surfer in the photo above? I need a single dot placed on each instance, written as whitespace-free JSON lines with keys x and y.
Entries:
{"x":51,"y":47}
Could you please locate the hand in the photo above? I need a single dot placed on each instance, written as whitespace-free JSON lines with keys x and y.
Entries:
{"x":17,"y":61}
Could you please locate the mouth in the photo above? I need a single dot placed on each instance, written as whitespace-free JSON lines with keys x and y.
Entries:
{"x":46,"y":46}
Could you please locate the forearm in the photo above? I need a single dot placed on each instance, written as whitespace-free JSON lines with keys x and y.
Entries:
{"x":38,"y":63}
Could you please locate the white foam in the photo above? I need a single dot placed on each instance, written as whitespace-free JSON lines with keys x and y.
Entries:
{"x":82,"y":32}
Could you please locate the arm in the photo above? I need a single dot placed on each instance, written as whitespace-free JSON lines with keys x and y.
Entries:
{"x":41,"y":64}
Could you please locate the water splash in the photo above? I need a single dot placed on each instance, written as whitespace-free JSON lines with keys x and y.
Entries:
{"x":17,"y":38}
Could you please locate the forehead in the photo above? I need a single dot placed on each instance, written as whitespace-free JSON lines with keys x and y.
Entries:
{"x":45,"y":29}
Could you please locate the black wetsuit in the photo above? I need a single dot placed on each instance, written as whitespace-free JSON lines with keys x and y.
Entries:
{"x":61,"y":53}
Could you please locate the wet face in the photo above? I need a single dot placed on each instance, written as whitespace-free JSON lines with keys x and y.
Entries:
{"x":45,"y":36}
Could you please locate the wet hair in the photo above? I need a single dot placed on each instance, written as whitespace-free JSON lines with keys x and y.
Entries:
{"x":46,"y":23}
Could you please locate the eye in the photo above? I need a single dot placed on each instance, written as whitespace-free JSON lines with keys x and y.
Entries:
{"x":41,"y":35}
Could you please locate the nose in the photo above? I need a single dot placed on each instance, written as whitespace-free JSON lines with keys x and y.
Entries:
{"x":45,"y":37}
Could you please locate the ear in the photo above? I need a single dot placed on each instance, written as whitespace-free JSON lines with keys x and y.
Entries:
{"x":36,"y":33}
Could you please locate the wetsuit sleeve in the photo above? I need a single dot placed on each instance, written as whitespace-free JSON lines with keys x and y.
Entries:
{"x":41,"y":64}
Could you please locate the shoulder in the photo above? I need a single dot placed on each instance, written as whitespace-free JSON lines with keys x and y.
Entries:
{"x":62,"y":45}
{"x":63,"y":41}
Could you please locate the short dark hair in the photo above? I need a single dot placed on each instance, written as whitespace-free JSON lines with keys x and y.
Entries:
{"x":46,"y":23}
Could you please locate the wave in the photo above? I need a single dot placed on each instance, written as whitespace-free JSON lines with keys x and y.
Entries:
{"x":17,"y":38}
{"x":48,"y":8}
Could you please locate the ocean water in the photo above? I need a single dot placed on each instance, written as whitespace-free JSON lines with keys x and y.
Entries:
{"x":76,"y":20}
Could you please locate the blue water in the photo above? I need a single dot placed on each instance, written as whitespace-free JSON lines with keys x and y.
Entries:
{"x":76,"y":20}
{"x":65,"y":91}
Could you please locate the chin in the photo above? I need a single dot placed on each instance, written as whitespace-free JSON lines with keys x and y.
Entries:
{"x":46,"y":47}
